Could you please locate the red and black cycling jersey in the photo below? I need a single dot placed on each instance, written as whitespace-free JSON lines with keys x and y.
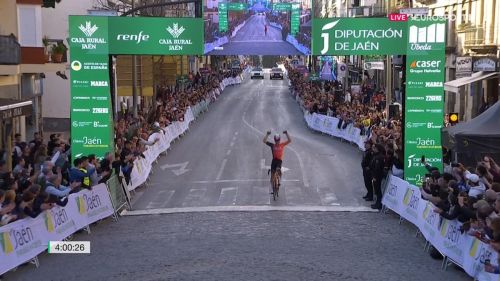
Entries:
{"x":278,"y":149}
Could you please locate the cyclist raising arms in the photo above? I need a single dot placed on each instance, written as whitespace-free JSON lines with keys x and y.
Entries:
{"x":277,"y":149}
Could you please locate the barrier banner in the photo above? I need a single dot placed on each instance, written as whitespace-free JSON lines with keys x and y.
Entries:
{"x":25,"y":239}
{"x":464,"y":250}
{"x":394,"y":193}
{"x":329,"y":125}
{"x":409,"y":207}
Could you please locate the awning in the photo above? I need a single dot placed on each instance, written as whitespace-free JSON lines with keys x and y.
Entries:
{"x":454,"y":86}
{"x":14,"y":108}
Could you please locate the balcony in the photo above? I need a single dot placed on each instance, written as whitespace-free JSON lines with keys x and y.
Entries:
{"x":10,"y":50}
{"x":480,"y":39}
{"x":367,"y":11}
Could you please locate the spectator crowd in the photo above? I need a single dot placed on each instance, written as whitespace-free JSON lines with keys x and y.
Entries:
{"x":364,"y":110}
{"x":470,"y":195}
{"x":44,"y":173}
{"x":43,"y":176}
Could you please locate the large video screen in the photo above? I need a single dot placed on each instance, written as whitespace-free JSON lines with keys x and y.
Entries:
{"x":260,"y":27}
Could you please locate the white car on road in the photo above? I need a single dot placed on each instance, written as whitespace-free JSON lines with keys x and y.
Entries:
{"x":257,"y":72}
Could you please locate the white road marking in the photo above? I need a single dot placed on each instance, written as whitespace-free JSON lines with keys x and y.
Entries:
{"x":301,"y":164}
{"x":182,"y":168}
{"x":327,"y":196}
{"x":261,"y":196}
{"x":227,"y":196}
{"x":236,"y":133}
{"x":250,"y":208}
{"x":244,"y":180}
{"x":228,"y":152}
{"x":232,"y":143}
{"x":170,"y":194}
{"x":194,"y":197}
{"x":219,"y":174}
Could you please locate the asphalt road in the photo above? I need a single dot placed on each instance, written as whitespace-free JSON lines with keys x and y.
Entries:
{"x":226,"y":161}
{"x":246,"y":246}
{"x":252,"y":40}
{"x":223,"y":153}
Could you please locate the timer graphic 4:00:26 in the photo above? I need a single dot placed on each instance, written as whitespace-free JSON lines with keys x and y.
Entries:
{"x":69,"y":247}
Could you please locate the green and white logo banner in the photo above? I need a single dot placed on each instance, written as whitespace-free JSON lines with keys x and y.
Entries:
{"x":91,"y":113}
{"x":424,"y":97}
{"x":358,"y":36}
{"x":156,"y":36}
{"x":92,"y":39}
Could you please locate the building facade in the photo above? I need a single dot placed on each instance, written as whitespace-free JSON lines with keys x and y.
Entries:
{"x":26,"y":58}
{"x":473,"y":52}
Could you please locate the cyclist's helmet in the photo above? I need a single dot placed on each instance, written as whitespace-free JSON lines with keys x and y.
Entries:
{"x":277,"y":137}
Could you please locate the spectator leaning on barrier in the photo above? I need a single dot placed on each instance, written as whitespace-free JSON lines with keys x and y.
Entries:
{"x":54,"y":187}
{"x":81,"y":172}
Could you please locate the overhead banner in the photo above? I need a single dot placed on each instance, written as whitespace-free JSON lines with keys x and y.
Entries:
{"x":424,"y":105}
{"x":92,"y":39}
{"x":138,"y":36}
{"x":358,"y":36}
{"x":155,"y":36}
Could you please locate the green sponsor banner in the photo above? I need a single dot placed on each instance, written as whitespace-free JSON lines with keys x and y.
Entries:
{"x":424,"y":97}
{"x":155,"y":36}
{"x":295,"y":19}
{"x":222,"y":12}
{"x":91,"y":113}
{"x":237,"y":6}
{"x":140,"y":36}
{"x":358,"y":36}
{"x":282,"y":7}
{"x":92,"y":39}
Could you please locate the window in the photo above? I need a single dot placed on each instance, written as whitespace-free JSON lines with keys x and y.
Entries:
{"x":29,"y":22}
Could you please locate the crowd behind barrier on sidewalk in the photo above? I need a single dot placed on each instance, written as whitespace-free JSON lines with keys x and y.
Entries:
{"x":457,"y":210}
{"x":358,"y":118}
{"x":43,"y":176}
{"x":43,"y":183}
{"x":458,"y":213}
{"x":134,"y":136}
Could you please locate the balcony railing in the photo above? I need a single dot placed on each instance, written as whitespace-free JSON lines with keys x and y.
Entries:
{"x":479,"y":36}
{"x":10,"y":50}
